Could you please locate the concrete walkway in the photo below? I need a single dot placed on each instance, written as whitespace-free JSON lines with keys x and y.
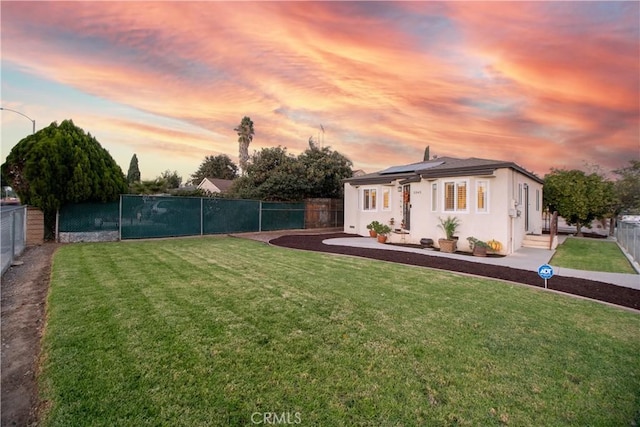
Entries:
{"x":524,"y":259}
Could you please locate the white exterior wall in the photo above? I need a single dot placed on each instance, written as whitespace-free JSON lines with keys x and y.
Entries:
{"x":504,"y":219}
{"x":208,"y":186}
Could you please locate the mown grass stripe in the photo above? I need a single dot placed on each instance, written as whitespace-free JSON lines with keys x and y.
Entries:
{"x":209,"y":331}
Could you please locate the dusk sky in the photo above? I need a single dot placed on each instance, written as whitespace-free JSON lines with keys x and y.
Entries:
{"x":543,"y":84}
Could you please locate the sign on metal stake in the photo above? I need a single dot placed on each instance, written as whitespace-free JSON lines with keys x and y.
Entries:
{"x":546,"y":272}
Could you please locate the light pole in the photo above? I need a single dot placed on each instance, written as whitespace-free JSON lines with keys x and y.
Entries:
{"x":33,"y":122}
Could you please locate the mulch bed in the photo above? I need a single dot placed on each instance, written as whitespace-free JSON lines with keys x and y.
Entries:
{"x":617,"y":295}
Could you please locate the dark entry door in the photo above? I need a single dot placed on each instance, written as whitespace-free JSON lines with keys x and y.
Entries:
{"x":526,"y":207}
{"x":406,"y":206}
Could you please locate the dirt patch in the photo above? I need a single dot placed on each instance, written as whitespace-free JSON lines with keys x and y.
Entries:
{"x":612,"y":294}
{"x":22,"y":313}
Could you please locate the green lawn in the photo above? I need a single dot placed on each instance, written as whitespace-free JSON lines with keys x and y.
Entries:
{"x":215,"y":331}
{"x":591,"y":255}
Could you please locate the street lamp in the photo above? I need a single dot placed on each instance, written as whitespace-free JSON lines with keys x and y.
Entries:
{"x":23,"y":115}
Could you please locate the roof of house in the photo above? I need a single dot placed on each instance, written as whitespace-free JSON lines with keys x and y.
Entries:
{"x":443,"y":167}
{"x":222,"y":184}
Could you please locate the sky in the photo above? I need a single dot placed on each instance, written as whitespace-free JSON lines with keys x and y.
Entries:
{"x":543,"y":84}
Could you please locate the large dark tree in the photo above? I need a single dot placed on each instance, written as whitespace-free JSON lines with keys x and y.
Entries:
{"x":272,"y":174}
{"x":628,"y":188}
{"x":62,"y":164}
{"x":577,"y":196}
{"x":133,"y":175}
{"x":324,"y":170}
{"x":219,"y":166}
{"x":172,"y":179}
{"x":245,"y":136}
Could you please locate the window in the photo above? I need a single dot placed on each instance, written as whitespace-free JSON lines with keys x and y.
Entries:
{"x":434,"y":197}
{"x":455,"y":196}
{"x":538,"y":200}
{"x":482,"y":200}
{"x":386,"y":199}
{"x":369,"y":199}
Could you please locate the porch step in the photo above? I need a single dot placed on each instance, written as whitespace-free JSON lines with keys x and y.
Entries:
{"x":540,"y":241}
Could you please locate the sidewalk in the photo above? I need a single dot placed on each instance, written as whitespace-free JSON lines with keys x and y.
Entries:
{"x":523,"y":259}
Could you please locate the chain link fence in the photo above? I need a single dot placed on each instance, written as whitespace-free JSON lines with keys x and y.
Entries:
{"x":138,"y":217}
{"x":13,"y":236}
{"x":628,"y":236}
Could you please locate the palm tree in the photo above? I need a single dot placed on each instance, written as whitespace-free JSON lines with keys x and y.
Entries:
{"x":245,"y":136}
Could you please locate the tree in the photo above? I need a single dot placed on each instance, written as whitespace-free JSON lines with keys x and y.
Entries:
{"x":62,"y":164}
{"x":219,"y":166}
{"x":627,"y":188}
{"x":245,"y":136}
{"x":578,"y":197}
{"x":324,"y":170}
{"x":152,"y":186}
{"x":272,"y":174}
{"x":133,"y":175}
{"x":172,"y":179}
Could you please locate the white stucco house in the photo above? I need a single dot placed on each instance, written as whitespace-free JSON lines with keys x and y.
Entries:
{"x":492,"y":199}
{"x":215,"y":185}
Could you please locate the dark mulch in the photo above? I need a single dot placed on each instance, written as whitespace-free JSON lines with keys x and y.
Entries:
{"x":618,"y":295}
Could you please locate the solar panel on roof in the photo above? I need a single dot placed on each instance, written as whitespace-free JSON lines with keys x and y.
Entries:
{"x":410,"y":168}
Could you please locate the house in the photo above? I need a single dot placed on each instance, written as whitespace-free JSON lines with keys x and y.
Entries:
{"x":215,"y":185}
{"x":492,"y":199}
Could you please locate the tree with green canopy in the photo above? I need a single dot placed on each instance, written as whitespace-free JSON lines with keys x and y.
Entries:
{"x":220,"y":166}
{"x":245,"y":136}
{"x":62,"y":164}
{"x":324,"y":171}
{"x":172,"y":179}
{"x":627,"y":188}
{"x":272,"y":174}
{"x":578,"y":197}
{"x":133,"y":175}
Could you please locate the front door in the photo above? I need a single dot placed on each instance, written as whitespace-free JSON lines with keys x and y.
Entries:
{"x":526,"y":208}
{"x":406,"y":206}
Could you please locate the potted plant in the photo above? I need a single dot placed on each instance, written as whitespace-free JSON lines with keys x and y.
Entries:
{"x":383,"y":230}
{"x":449,"y":226}
{"x":373,"y":227}
{"x":478,"y":247}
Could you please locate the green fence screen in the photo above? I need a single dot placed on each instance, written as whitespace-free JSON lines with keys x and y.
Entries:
{"x":282,"y":216}
{"x":230,"y":216}
{"x":84,"y":217}
{"x":159,"y":216}
{"x":138,"y":217}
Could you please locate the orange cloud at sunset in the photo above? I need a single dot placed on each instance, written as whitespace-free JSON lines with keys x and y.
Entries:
{"x":546,"y":84}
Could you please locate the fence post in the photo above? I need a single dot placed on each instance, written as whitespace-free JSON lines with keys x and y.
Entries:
{"x":120,"y":219}
{"x":13,"y":234}
{"x":260,"y":217}
{"x":201,"y":216}
{"x":57,"y":225}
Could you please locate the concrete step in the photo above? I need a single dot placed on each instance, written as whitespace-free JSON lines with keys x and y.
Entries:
{"x":539,"y":241}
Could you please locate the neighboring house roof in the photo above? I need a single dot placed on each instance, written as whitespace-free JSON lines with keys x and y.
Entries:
{"x":221,"y":184}
{"x":443,"y":167}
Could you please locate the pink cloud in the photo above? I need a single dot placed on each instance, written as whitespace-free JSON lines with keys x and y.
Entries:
{"x":529,"y":81}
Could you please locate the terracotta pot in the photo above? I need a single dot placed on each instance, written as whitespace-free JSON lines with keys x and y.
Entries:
{"x":447,"y":246}
{"x":479,"y":251}
{"x":382,"y":238}
{"x":372,"y":233}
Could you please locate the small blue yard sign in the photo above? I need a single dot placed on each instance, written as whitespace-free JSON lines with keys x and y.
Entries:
{"x":546,"y":272}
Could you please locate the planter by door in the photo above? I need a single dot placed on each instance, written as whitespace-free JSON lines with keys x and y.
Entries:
{"x":372,"y":233}
{"x":448,"y":246}
{"x":382,"y":238}
{"x":479,"y":251}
